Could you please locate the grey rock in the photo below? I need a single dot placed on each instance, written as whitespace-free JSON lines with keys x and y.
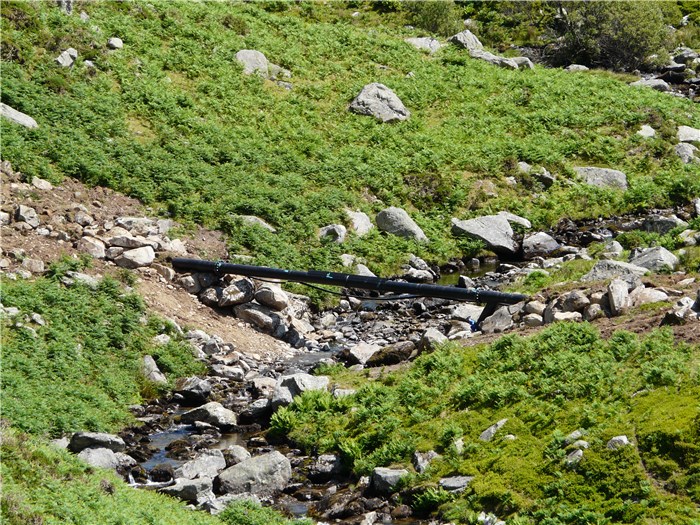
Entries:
{"x":33,"y":265}
{"x":259,"y":316}
{"x":260,"y":408}
{"x":500,"y":321}
{"x":137,"y":225}
{"x":380,"y":102}
{"x":613,"y":249}
{"x":72,"y":278}
{"x":455,"y":484}
{"x":685,"y":56}
{"x":361,"y":353}
{"x":263,"y":475}
{"x":282,"y":396}
{"x":647,"y":131}
{"x":92,"y":246}
{"x":593,"y":312}
{"x":253,"y":62}
{"x":136,"y":258}
{"x":208,"y":465}
{"x":189,"y":490}
{"x":113,"y":252}
{"x":688,"y":134}
{"x":618,"y":296}
{"x":618,"y":442}
{"x":566,"y":316}
{"x":686,"y":152}
{"x":361,"y":269}
{"x":252,"y":220}
{"x":494,"y":230}
{"x":361,"y":223}
{"x":431,"y":45}
{"x":657,"y":259}
{"x":421,"y":460}
{"x":575,"y":301}
{"x":574,"y":457}
{"x":28,"y":215}
{"x":235,"y":373}
{"x":515,"y":219}
{"x":576,"y":67}
{"x":129,"y":241}
{"x":335,"y":232}
{"x":602,"y":177}
{"x":190,"y":284}
{"x":642,"y":295}
{"x":661,"y":224}
{"x":115,"y":43}
{"x":213,"y":413}
{"x":272,"y":296}
{"x":100,"y":458}
{"x":235,"y":454}
{"x":239,"y":291}
{"x":464,"y":312}
{"x":653,"y":83}
{"x":489,"y":433}
{"x":539,"y":244}
{"x":605,"y":270}
{"x":151,"y":371}
{"x":506,"y":63}
{"x":430,"y":339}
{"x":523,"y":62}
{"x":67,"y":57}
{"x":325,"y":467}
{"x":300,"y":383}
{"x":385,"y":479}
{"x":534,"y":307}
{"x":82,"y":440}
{"x":66,"y":6}
{"x":533,"y":320}
{"x":397,"y":222}
{"x":193,"y":389}
{"x":467,"y":40}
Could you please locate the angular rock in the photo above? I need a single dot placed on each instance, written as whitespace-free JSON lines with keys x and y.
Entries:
{"x":253,"y":62}
{"x":238,"y":292}
{"x":661,"y":224}
{"x":151,"y":371}
{"x":252,"y":220}
{"x":466,"y":39}
{"x":129,"y":241}
{"x":193,"y":389}
{"x":657,"y":259}
{"x":361,"y":353}
{"x":421,"y":460}
{"x":618,"y":296}
{"x":92,"y":246}
{"x":41,"y":184}
{"x":100,"y":458}
{"x":213,"y":413}
{"x":618,"y":442}
{"x":334,"y":232}
{"x":523,"y":62}
{"x":506,"y":63}
{"x":431,"y":45}
{"x":28,"y":215}
{"x":17,"y":117}
{"x":33,"y":265}
{"x":593,"y":312}
{"x":500,"y":321}
{"x":653,"y":83}
{"x":539,"y":244}
{"x":82,"y":440}
{"x":136,"y":258}
{"x":397,"y":222}
{"x":272,"y":296}
{"x":189,"y":490}
{"x":259,"y":316}
{"x":455,"y":484}
{"x":686,"y":152}
{"x":574,"y":457}
{"x":190,"y":284}
{"x":566,"y":316}
{"x":209,"y":464}
{"x":533,"y":320}
{"x":263,"y":475}
{"x":235,"y":454}
{"x":489,"y":433}
{"x":647,"y":132}
{"x":430,"y":339}
{"x":603,"y":177}
{"x":300,"y":383}
{"x":493,"y":230}
{"x":515,"y":219}
{"x":379,"y":101}
{"x":392,"y":354}
{"x":385,"y":479}
{"x":67,"y":57}
{"x":325,"y":468}
{"x":688,"y":134}
{"x":361,"y":223}
{"x":575,"y":301}
{"x":641,"y":295}
{"x":576,"y":67}
{"x":605,"y":270}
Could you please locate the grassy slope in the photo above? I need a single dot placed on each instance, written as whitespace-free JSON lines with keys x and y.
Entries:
{"x":171,"y":119}
{"x":547,"y":386}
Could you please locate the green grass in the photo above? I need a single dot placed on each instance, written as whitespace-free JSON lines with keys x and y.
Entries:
{"x":563,"y":379}
{"x":170,"y":119}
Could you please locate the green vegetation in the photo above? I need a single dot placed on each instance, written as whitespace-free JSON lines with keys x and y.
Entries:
{"x":563,"y":379}
{"x":171,"y":119}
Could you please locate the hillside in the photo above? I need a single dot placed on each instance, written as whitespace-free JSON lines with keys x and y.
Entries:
{"x":239,"y":401}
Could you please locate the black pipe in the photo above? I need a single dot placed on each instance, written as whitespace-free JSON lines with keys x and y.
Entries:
{"x":347,"y":280}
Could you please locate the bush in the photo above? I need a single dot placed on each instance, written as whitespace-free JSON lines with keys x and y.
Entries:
{"x":617,"y":35}
{"x":440,"y":18}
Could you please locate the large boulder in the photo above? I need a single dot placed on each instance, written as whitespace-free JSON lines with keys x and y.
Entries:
{"x":384,"y":480}
{"x":618,"y":296}
{"x":361,"y":223}
{"x":100,"y":458}
{"x":688,"y":134}
{"x":194,"y":390}
{"x":136,"y":258}
{"x":361,"y":353}
{"x":263,"y":475}
{"x":467,"y":40}
{"x":291,"y":386}
{"x":82,"y":440}
{"x":653,"y":83}
{"x":189,"y":490}
{"x":397,"y":222}
{"x":425,"y":43}
{"x":17,"y":117}
{"x":493,"y":230}
{"x":238,"y":292}
{"x":253,"y":62}
{"x":258,"y":316}
{"x":657,"y":259}
{"x":686,"y":152}
{"x":209,"y":464}
{"x":272,"y":296}
{"x":92,"y":246}
{"x":606,"y":270}
{"x":602,"y":177}
{"x":213,"y":413}
{"x":539,"y":243}
{"x":481,"y":54}
{"x":380,"y":102}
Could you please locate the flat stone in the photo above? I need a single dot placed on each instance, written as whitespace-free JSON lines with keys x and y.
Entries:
{"x":188,"y":490}
{"x":431,"y":45}
{"x":688,"y":134}
{"x":385,"y":479}
{"x":603,"y":177}
{"x":252,"y":220}
{"x":489,"y":433}
{"x":455,"y":484}
{"x":653,"y":83}
{"x":208,"y":464}
{"x":642,"y":295}
{"x":17,"y":117}
{"x":481,"y":54}
{"x":82,"y":440}
{"x":136,"y":258}
{"x":657,"y":259}
{"x":213,"y":413}
{"x":606,"y":270}
{"x":494,"y":230}
{"x":263,"y":475}
{"x":100,"y":458}
{"x":92,"y":246}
